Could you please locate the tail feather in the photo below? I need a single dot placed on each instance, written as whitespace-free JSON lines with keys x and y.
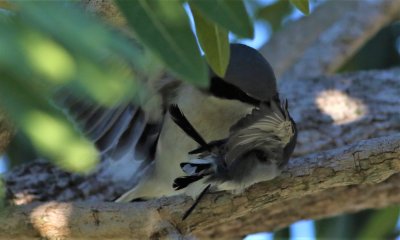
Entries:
{"x":183,"y":182}
{"x":179,"y":118}
{"x":195,"y":168}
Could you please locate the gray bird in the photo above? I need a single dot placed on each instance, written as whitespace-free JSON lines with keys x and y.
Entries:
{"x":247,"y":134}
{"x":255,"y":150}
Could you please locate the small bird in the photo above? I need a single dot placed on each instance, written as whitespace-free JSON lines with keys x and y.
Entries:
{"x":243,"y":134}
{"x":255,"y":150}
{"x":258,"y":146}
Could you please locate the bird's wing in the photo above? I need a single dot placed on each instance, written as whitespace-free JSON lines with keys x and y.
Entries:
{"x":120,"y":130}
{"x":114,"y":131}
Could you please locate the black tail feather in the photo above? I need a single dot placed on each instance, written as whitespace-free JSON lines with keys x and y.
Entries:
{"x":198,"y":167}
{"x":182,"y":182}
{"x":185,"y":125}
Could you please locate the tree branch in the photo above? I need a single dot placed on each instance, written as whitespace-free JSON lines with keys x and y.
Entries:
{"x":322,"y":42}
{"x":317,"y":185}
{"x":335,"y":111}
{"x":330,"y":112}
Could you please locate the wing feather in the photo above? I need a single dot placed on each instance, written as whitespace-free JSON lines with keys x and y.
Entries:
{"x":116,"y":131}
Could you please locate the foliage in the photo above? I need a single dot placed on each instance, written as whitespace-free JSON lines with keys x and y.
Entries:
{"x":275,"y":13}
{"x":302,"y":5}
{"x":48,"y":46}
{"x":163,"y":26}
{"x":214,"y":41}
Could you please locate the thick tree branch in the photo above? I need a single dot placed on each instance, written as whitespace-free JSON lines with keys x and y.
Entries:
{"x":317,"y":185}
{"x":321,"y":43}
{"x":330,"y":112}
{"x":335,"y":111}
{"x":326,"y":203}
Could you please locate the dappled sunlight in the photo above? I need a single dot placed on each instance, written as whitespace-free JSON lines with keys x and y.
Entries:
{"x":51,"y":219}
{"x":49,"y":58}
{"x":341,"y":107}
{"x":68,"y":72}
{"x":117,"y":81}
{"x":55,"y":137}
{"x":41,"y":53}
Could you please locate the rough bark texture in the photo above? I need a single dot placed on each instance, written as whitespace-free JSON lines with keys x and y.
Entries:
{"x":324,"y":41}
{"x":345,"y":179}
{"x":326,"y":203}
{"x":342,"y":109}
{"x":331,"y":112}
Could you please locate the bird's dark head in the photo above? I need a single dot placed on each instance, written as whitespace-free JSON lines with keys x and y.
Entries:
{"x":249,"y":77}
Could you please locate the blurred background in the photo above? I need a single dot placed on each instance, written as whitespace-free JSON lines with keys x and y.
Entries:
{"x":19,"y":34}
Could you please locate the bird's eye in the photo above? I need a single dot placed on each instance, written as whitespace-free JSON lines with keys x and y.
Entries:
{"x":261,"y":155}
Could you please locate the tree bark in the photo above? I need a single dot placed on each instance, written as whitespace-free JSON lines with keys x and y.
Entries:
{"x":321,"y":43}
{"x":330,"y":112}
{"x":335,"y":111}
{"x":346,"y":179}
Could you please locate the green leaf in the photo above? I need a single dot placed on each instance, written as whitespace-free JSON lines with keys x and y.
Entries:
{"x":275,"y":13}
{"x":5,"y":5}
{"x":381,"y":224}
{"x":95,"y":40}
{"x":214,"y":41}
{"x":163,"y":26}
{"x":282,"y":234}
{"x":48,"y":45}
{"x":302,"y":5}
{"x":33,"y":56}
{"x":340,"y":227}
{"x":50,"y":132}
{"x":97,"y":64}
{"x":230,"y":14}
{"x":20,"y":150}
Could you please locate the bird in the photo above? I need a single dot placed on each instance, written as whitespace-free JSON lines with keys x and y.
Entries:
{"x":244,"y":132}
{"x":255,"y":150}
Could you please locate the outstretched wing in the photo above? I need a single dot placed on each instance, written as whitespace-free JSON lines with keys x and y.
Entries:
{"x":128,"y":130}
{"x":116,"y":131}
